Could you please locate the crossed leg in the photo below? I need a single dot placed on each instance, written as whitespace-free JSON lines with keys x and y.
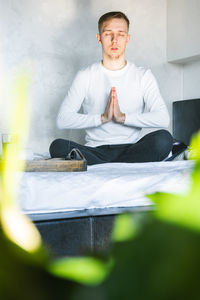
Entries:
{"x":61,"y":147}
{"x":154,"y":146}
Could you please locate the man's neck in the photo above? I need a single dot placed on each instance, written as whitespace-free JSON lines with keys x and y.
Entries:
{"x":114,"y":64}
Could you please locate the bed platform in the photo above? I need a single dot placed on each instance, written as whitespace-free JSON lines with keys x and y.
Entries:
{"x":75,"y":211}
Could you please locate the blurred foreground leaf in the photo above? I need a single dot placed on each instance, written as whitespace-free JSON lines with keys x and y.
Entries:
{"x":86,"y":270}
{"x":161,"y":263}
{"x":19,"y":229}
{"x":17,"y":226}
{"x":23,"y":275}
{"x":23,"y":259}
{"x":194,"y":147}
{"x":124,"y":228}
{"x":19,"y":128}
{"x":182,"y":209}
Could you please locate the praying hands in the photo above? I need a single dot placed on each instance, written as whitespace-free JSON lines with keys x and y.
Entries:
{"x":112,"y":111}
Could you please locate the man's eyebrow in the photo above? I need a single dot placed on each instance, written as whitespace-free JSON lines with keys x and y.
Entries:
{"x":112,"y":30}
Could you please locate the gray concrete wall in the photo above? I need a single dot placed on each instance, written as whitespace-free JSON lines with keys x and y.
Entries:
{"x":54,"y":39}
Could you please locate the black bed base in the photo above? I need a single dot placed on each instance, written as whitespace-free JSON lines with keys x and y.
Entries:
{"x":79,"y":232}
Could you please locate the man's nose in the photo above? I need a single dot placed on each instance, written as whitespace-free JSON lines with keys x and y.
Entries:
{"x":114,"y":38}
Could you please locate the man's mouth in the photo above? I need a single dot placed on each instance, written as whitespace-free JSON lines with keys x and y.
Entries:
{"x":114,"y":48}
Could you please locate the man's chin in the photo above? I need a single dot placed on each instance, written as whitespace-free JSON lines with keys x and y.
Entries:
{"x":115,"y":56}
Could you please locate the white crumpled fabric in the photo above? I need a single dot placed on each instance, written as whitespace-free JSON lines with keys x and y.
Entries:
{"x":102,"y":186}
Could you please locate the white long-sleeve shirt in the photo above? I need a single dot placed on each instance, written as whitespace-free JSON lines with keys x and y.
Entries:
{"x":138,"y":96}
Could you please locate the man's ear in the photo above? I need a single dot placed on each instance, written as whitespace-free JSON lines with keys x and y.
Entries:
{"x":98,"y":38}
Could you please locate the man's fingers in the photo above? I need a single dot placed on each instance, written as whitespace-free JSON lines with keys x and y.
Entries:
{"x":113,"y":93}
{"x":113,"y":90}
{"x":111,"y":97}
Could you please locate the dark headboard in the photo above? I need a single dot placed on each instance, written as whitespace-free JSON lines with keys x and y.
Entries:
{"x":186,"y":119}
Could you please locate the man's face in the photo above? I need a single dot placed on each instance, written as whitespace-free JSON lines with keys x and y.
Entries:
{"x":114,"y":37}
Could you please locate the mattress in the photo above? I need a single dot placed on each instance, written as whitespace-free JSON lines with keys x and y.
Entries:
{"x":104,"y":186}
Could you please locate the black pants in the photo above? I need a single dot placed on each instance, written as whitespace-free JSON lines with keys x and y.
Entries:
{"x":154,"y":146}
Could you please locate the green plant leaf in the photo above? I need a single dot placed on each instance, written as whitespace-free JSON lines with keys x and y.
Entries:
{"x":16,"y":226}
{"x":194,"y":148}
{"x":85,"y":270}
{"x":124,"y":228}
{"x":181,"y":209}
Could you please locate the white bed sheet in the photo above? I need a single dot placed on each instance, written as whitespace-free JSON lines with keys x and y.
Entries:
{"x":102,"y":186}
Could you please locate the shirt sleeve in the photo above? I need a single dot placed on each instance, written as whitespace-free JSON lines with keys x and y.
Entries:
{"x":68,"y":116}
{"x":156,"y":114}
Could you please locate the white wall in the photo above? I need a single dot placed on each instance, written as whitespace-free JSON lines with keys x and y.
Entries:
{"x":183,"y":43}
{"x":191,"y":80}
{"x":183,"y":30}
{"x":54,"y":39}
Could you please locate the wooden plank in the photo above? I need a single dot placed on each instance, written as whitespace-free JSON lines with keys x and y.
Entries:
{"x":55,"y":165}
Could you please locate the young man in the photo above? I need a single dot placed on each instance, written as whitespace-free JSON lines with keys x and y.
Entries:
{"x":118,"y":100}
